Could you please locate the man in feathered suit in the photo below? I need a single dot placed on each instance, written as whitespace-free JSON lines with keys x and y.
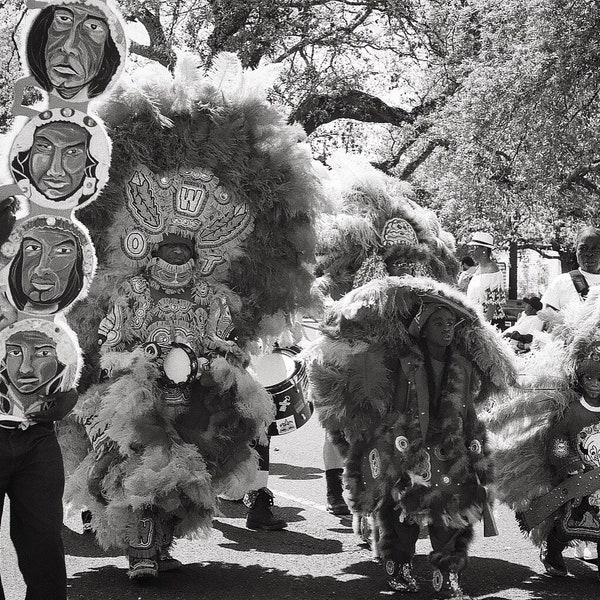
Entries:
{"x":204,"y":236}
{"x":376,"y":229}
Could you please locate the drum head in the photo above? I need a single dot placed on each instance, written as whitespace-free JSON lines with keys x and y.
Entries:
{"x":273,"y":369}
{"x":180,"y":365}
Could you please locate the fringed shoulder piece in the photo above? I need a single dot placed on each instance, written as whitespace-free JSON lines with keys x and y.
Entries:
{"x":381,"y":312}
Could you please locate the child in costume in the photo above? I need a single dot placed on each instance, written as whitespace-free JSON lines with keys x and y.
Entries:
{"x":399,"y":372}
{"x":573,"y":451}
{"x":375,"y":230}
{"x":542,"y":434}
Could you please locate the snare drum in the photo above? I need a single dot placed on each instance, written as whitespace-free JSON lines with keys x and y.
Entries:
{"x":285,"y":379}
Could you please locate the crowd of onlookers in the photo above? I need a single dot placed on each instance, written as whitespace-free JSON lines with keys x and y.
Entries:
{"x":483,"y":282}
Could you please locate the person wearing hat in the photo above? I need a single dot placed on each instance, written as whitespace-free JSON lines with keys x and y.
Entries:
{"x":521,"y":333}
{"x":398,"y":372}
{"x":486,"y":287}
{"x":573,"y":287}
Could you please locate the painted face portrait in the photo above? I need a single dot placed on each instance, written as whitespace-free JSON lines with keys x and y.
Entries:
{"x":75,"y":47}
{"x":31,"y":361}
{"x":76,"y":50}
{"x":52,"y":265}
{"x":58,"y":159}
{"x":49,"y":261}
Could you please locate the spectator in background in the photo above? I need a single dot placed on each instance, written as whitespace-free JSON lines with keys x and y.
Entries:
{"x":468,"y":268}
{"x":486,"y":287}
{"x":521,"y":333}
{"x":574,"y":286}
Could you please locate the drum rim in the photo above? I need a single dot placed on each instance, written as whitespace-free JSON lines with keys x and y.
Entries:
{"x":299,"y":377}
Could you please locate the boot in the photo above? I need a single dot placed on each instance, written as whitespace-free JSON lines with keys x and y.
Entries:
{"x":166,"y":562}
{"x":143,"y":551}
{"x":86,"y":520}
{"x":259,"y":503}
{"x":336,"y":504}
{"x":552,"y":558}
{"x":447,"y":586}
{"x":142,"y":568}
{"x":400,"y":577}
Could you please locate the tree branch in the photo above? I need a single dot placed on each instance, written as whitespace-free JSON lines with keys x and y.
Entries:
{"x":416,"y":162}
{"x":353,"y":104}
{"x":159,"y":48}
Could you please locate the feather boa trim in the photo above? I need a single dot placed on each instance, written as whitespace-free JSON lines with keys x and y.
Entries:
{"x":467,"y":462}
{"x":177,"y":464}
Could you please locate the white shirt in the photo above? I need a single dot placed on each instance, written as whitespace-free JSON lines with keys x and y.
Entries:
{"x":526,"y":324}
{"x":561,"y":292}
{"x":482,"y":283}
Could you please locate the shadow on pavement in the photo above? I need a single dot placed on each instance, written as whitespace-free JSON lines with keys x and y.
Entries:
{"x":495,"y":579}
{"x":218,"y":581}
{"x":84,"y":545}
{"x":237,"y":510}
{"x":275,"y":542}
{"x":294,"y":472}
{"x":490,"y":579}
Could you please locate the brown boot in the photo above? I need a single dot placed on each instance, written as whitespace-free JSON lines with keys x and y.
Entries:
{"x":259,"y":503}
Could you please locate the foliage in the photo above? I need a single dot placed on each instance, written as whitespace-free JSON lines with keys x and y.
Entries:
{"x":521,"y":134}
{"x":489,"y":107}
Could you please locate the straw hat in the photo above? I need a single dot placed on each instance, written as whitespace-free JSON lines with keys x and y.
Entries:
{"x":482,"y":238}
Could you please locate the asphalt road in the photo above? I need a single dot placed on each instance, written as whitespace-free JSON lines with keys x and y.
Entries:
{"x":317,"y":557}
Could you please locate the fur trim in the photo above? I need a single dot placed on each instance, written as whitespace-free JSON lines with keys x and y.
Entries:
{"x":520,"y":423}
{"x":176,"y":464}
{"x":363,"y":200}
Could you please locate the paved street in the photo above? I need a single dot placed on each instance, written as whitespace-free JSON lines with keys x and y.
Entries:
{"x":317,"y":558}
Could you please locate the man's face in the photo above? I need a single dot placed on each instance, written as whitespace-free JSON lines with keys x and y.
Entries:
{"x":400,"y":267}
{"x":477,"y":253}
{"x":75,"y":47}
{"x":49,"y":258}
{"x":588,"y":253}
{"x":174,"y":253}
{"x":31,"y":360}
{"x":439,"y":329}
{"x":57,"y":159}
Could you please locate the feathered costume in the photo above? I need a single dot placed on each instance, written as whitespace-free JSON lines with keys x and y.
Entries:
{"x":210,"y":162}
{"x":375,"y":223}
{"x":525,"y":428}
{"x":372,"y":388}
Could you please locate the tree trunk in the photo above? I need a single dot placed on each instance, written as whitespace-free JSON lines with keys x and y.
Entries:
{"x":513,"y":255}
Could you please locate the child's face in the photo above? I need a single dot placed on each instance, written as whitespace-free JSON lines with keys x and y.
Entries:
{"x":590,"y":383}
{"x":439,"y":329}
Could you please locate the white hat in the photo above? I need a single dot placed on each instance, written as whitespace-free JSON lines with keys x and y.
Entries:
{"x":482,"y":238}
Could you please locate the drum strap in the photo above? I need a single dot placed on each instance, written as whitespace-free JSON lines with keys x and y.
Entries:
{"x":580,"y":283}
{"x":576,"y":485}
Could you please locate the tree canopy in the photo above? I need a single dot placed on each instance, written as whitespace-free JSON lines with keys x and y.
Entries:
{"x":488,"y":107}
